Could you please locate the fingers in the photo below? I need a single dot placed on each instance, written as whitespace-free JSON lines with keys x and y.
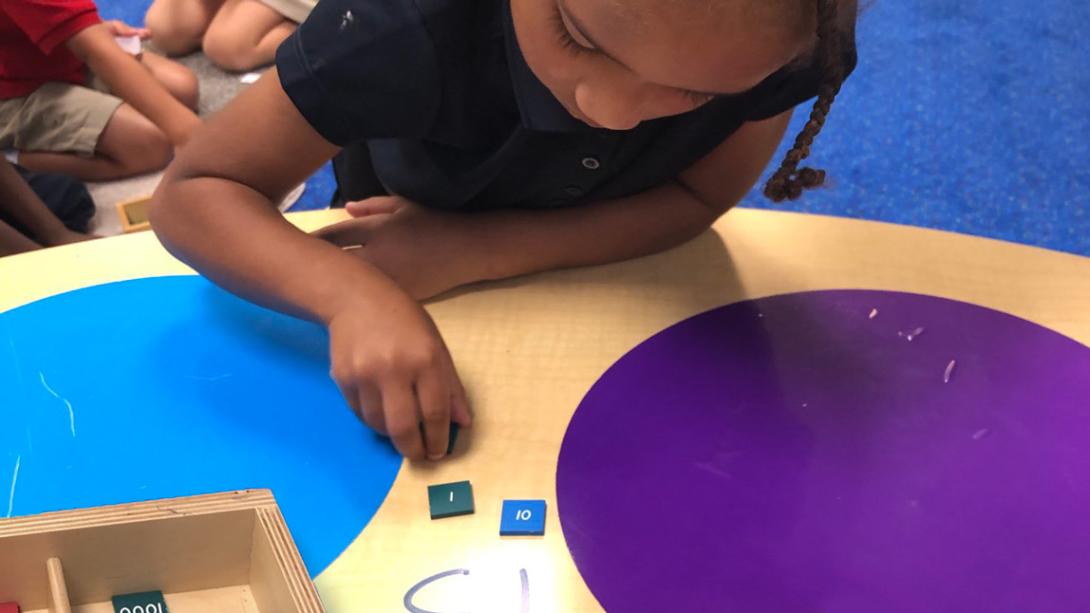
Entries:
{"x":120,"y":28}
{"x":378,"y":205}
{"x":365,"y":401}
{"x":402,"y":420}
{"x":431,"y":392}
{"x":372,"y":411}
{"x":351,"y":395}
{"x":351,"y":233}
{"x":459,"y":402}
{"x":399,"y":378}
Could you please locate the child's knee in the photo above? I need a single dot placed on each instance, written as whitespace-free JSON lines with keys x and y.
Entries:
{"x":188,"y":89}
{"x":131,"y":144}
{"x":182,"y":84}
{"x":228,"y":50}
{"x":147,"y":149}
{"x":171,"y":35}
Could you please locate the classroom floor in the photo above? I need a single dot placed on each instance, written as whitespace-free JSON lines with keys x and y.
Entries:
{"x":964,"y":115}
{"x":217,"y":89}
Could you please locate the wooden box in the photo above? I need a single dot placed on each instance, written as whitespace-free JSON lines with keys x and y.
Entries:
{"x":134,"y":214}
{"x":221,"y":553}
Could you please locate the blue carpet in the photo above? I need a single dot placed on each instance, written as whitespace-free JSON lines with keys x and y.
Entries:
{"x":963,"y":115}
{"x":320,"y":188}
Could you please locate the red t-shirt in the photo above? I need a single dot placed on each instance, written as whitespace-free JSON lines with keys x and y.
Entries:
{"x":32,"y":38}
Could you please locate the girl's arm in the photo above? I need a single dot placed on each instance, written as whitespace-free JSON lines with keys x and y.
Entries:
{"x":642,"y":224}
{"x":215,"y":211}
{"x":428,"y":252}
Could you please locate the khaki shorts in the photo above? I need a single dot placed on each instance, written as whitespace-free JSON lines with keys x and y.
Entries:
{"x":58,"y":117}
{"x":295,"y":10}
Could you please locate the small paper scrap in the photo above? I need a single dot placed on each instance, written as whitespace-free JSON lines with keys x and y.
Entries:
{"x":129,"y":44}
{"x":250,"y":77}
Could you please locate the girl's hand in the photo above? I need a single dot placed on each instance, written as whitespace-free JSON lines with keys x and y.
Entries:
{"x":424,"y":251}
{"x":395,"y":372}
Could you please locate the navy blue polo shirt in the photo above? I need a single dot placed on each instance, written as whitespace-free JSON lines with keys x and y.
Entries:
{"x":450,"y":115}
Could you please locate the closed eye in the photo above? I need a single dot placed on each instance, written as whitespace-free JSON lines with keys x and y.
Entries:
{"x":564,"y":36}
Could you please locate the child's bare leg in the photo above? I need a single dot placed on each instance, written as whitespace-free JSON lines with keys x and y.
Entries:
{"x":177,"y":26}
{"x":244,"y":34}
{"x":129,"y":145}
{"x":21,"y":206}
{"x":11,"y":241}
{"x":177,"y":79}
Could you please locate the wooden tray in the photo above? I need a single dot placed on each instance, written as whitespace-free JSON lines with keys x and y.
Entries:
{"x":222,"y":553}
{"x":134,"y":214}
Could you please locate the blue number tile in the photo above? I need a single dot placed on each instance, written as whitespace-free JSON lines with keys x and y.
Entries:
{"x":522,"y":518}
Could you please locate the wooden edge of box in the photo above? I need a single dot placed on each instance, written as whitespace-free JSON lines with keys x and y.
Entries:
{"x":284,"y":552}
{"x":122,"y":211}
{"x":300,"y":587}
{"x":136,"y":511}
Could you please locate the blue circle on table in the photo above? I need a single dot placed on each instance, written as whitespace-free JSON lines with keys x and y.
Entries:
{"x":169,"y":386}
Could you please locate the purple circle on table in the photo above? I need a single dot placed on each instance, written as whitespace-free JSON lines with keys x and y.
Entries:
{"x":835,"y":451}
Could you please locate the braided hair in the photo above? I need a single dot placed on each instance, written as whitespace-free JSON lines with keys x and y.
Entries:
{"x":789,"y":181}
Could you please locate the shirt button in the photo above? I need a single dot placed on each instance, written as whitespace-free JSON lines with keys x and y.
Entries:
{"x":591,"y":163}
{"x":573,"y":190}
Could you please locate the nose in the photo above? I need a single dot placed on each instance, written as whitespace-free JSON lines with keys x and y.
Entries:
{"x":614,"y":106}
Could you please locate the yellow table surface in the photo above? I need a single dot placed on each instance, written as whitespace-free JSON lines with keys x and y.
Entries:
{"x":529,"y":349}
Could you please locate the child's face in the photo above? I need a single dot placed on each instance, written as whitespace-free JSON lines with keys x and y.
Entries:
{"x":615,"y":63}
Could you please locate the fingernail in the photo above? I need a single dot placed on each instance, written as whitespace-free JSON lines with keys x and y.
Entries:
{"x":436,"y":458}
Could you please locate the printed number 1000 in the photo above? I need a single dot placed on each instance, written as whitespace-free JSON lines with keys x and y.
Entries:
{"x":140,"y":608}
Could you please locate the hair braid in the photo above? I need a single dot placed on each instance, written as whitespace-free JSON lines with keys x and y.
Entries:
{"x":789,"y":180}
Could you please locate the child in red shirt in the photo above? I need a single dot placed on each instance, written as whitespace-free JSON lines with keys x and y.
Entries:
{"x":58,"y":60}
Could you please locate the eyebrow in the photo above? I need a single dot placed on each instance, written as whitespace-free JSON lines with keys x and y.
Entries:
{"x":581,"y":29}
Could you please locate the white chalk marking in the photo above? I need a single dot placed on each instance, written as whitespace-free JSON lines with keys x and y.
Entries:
{"x":226,"y":375}
{"x":873,"y":314}
{"x":71,"y":412}
{"x":949,"y":371}
{"x":14,"y":480}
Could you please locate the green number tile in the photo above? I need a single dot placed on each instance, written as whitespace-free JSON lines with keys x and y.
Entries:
{"x":450,"y":499}
{"x":141,"y":602}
